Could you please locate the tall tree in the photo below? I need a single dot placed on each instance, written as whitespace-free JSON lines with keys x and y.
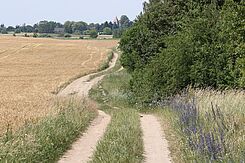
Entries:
{"x":124,"y":21}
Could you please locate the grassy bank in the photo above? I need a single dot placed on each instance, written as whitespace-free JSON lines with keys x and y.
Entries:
{"x":200,"y":125}
{"x":208,"y":126}
{"x":123,"y":139}
{"x":49,"y":138}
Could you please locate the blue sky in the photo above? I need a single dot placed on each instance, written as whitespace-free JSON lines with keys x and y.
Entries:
{"x":14,"y":12}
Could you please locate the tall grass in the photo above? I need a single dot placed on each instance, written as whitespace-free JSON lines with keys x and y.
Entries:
{"x":123,"y":138}
{"x":122,"y":141}
{"x":211,"y":124}
{"x":46,"y":140}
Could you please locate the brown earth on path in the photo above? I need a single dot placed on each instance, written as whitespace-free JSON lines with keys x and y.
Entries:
{"x":82,"y":150}
{"x":156,"y":146}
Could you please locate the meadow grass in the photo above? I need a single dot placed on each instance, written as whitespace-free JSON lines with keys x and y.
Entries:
{"x":200,"y":125}
{"x":122,"y":141}
{"x":209,"y":125}
{"x":49,"y":138}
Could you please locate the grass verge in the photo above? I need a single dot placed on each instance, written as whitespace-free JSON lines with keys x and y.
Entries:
{"x":205,"y":126}
{"x":201,"y":126}
{"x":122,"y":141}
{"x":49,"y":138}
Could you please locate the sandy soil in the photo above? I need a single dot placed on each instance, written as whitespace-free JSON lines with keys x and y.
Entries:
{"x":82,"y":85}
{"x":83,"y":148}
{"x":156,"y":146}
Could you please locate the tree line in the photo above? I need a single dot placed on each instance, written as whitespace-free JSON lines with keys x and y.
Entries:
{"x":179,"y":43}
{"x":115,"y":28}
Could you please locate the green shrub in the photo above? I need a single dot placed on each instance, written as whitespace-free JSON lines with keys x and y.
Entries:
{"x":35,"y":35}
{"x":26,"y":35}
{"x":93,"y":33}
{"x":67,"y":35}
{"x":174,"y":45}
{"x":61,"y":35}
{"x":4,"y":31}
{"x":45,"y":35}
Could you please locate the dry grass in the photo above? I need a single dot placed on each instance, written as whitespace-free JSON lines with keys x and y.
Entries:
{"x":229,"y":101}
{"x":30,"y":69}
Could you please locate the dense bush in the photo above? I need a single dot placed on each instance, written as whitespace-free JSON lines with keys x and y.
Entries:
{"x":35,"y":35}
{"x":175,"y":44}
{"x":93,"y":34}
{"x":4,"y":31}
{"x":67,"y":35}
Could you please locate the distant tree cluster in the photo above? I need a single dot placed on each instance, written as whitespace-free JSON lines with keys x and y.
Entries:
{"x":115,"y":28}
{"x":175,"y":44}
{"x":108,"y":28}
{"x":3,"y":29}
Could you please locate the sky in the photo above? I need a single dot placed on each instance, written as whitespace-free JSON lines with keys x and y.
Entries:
{"x":13,"y":12}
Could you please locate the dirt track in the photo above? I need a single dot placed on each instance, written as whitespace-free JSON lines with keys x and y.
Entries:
{"x":83,"y":148}
{"x":156,"y":146}
{"x":82,"y":85}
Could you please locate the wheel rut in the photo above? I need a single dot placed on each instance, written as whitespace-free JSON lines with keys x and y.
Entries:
{"x":82,"y":150}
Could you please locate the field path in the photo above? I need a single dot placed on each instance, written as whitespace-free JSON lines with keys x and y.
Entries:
{"x":155,"y":144}
{"x":83,"y":148}
{"x":82,"y":85}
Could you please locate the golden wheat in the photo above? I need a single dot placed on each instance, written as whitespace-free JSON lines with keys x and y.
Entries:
{"x":30,"y":69}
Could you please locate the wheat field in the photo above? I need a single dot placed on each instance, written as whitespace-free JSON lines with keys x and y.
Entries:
{"x":32,"y":68}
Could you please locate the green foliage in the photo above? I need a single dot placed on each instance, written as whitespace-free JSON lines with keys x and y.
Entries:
{"x":107,"y":31}
{"x":4,"y":31}
{"x":75,"y":27}
{"x":26,"y":35}
{"x":72,"y":27}
{"x":35,"y":35}
{"x":93,"y":33}
{"x":122,"y":141}
{"x":46,"y":26}
{"x":202,"y":127}
{"x":117,"y":33}
{"x":17,"y":31}
{"x":67,"y":35}
{"x":180,"y":43}
{"x":124,"y":21}
{"x":45,"y":35}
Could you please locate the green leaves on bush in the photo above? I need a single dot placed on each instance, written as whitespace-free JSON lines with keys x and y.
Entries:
{"x":180,"y":43}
